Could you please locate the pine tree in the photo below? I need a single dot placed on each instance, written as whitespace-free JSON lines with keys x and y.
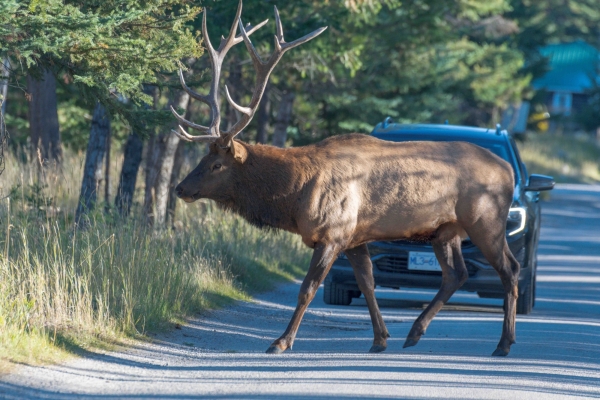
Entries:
{"x":109,"y":49}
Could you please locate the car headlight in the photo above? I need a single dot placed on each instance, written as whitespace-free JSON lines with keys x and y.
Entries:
{"x":517,"y":216}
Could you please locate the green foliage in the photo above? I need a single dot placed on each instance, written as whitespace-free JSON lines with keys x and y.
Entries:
{"x":554,"y":21}
{"x":33,"y":196}
{"x":417,"y":62}
{"x":421,"y":61}
{"x":542,"y":22}
{"x":108,"y":49}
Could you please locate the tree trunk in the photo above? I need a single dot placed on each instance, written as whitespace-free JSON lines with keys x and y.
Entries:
{"x":163,"y":182}
{"x":159,"y":165}
{"x":43,"y":119}
{"x":283,"y":119}
{"x":262,"y":119}
{"x":96,"y":150}
{"x":107,"y":193}
{"x":4,"y":73}
{"x":150,"y":172}
{"x":131,"y":164}
{"x":177,"y":164}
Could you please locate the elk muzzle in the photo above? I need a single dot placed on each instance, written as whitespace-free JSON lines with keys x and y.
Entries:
{"x":183,"y":195}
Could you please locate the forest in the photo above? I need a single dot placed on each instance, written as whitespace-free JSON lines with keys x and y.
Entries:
{"x":95,"y":245}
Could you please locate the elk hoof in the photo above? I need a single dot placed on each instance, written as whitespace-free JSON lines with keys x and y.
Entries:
{"x":377,"y":348}
{"x":274,"y":350}
{"x":410,"y":342}
{"x":500,"y":352}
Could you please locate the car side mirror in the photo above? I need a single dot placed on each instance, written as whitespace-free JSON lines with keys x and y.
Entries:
{"x":537,"y":183}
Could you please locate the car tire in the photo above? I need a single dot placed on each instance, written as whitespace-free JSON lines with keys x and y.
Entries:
{"x":335,"y":295}
{"x":526,"y":298}
{"x":534,"y":281}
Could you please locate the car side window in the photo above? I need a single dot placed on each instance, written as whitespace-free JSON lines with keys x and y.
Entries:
{"x":505,"y":152}
{"x":522,"y":168}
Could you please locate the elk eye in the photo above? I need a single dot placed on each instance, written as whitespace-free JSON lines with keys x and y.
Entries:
{"x":216,"y":166}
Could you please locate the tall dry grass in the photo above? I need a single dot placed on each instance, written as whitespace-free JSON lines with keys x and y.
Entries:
{"x":61,"y":287}
{"x":568,"y":158}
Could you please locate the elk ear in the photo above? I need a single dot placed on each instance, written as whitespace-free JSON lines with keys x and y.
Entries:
{"x":239,"y":152}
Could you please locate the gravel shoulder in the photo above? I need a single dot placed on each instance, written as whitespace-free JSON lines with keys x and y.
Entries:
{"x":221,"y":354}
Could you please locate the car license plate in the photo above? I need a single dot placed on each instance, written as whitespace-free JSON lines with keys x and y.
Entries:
{"x":422,"y":261}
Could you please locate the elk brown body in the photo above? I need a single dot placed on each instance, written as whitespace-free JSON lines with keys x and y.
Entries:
{"x":349,"y":190}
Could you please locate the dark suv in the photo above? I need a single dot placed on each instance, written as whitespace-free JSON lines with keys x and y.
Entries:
{"x":404,"y":263}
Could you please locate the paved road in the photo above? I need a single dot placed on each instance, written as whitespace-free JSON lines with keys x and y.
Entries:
{"x":221,"y":355}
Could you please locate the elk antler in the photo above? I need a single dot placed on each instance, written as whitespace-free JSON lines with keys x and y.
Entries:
{"x":263,"y":70}
{"x":212,"y":99}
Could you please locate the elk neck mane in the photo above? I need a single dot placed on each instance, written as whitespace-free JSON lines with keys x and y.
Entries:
{"x":268,"y":186}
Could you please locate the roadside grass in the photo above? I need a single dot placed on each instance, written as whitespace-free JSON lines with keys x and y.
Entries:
{"x":568,"y":158}
{"x":64,"y":290}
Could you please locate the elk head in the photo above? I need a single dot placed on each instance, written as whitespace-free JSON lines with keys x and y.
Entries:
{"x":210,"y":178}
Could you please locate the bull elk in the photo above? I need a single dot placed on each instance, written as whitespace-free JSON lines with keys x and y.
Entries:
{"x":349,"y":190}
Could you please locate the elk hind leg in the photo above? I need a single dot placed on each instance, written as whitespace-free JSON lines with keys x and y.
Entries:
{"x":322,"y":259}
{"x":454,"y":274}
{"x":493,"y":245}
{"x":509,"y":275}
{"x":363,"y":271}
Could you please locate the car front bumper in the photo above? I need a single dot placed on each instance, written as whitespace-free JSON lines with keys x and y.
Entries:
{"x":390,"y":267}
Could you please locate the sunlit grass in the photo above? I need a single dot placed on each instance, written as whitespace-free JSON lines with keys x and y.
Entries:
{"x":569,"y":158}
{"x":63,"y":289}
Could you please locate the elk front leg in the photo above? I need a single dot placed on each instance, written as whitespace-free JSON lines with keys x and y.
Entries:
{"x":321,"y":261}
{"x":363,"y":271}
{"x":454,"y":274}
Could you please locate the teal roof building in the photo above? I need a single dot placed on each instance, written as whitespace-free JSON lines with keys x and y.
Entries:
{"x":573,"y":71}
{"x":573,"y":68}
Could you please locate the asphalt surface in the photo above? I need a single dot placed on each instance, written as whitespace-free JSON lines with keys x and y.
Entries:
{"x":221,"y":355}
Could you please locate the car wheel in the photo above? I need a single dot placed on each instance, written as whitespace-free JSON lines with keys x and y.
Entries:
{"x":534,"y":281}
{"x":335,"y":295}
{"x":526,"y":298}
{"x":534,"y":287}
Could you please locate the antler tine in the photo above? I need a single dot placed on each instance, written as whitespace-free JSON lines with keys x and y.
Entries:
{"x":243,"y":110}
{"x":189,"y":90}
{"x":303,"y":39}
{"x":212,"y":99}
{"x":189,"y":124}
{"x":226,"y":44}
{"x":257,"y":61}
{"x":286,"y":46}
{"x":207,"y":43}
{"x":193,"y":138}
{"x":250,"y":30}
{"x":263,"y":71}
{"x":278,"y":25}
